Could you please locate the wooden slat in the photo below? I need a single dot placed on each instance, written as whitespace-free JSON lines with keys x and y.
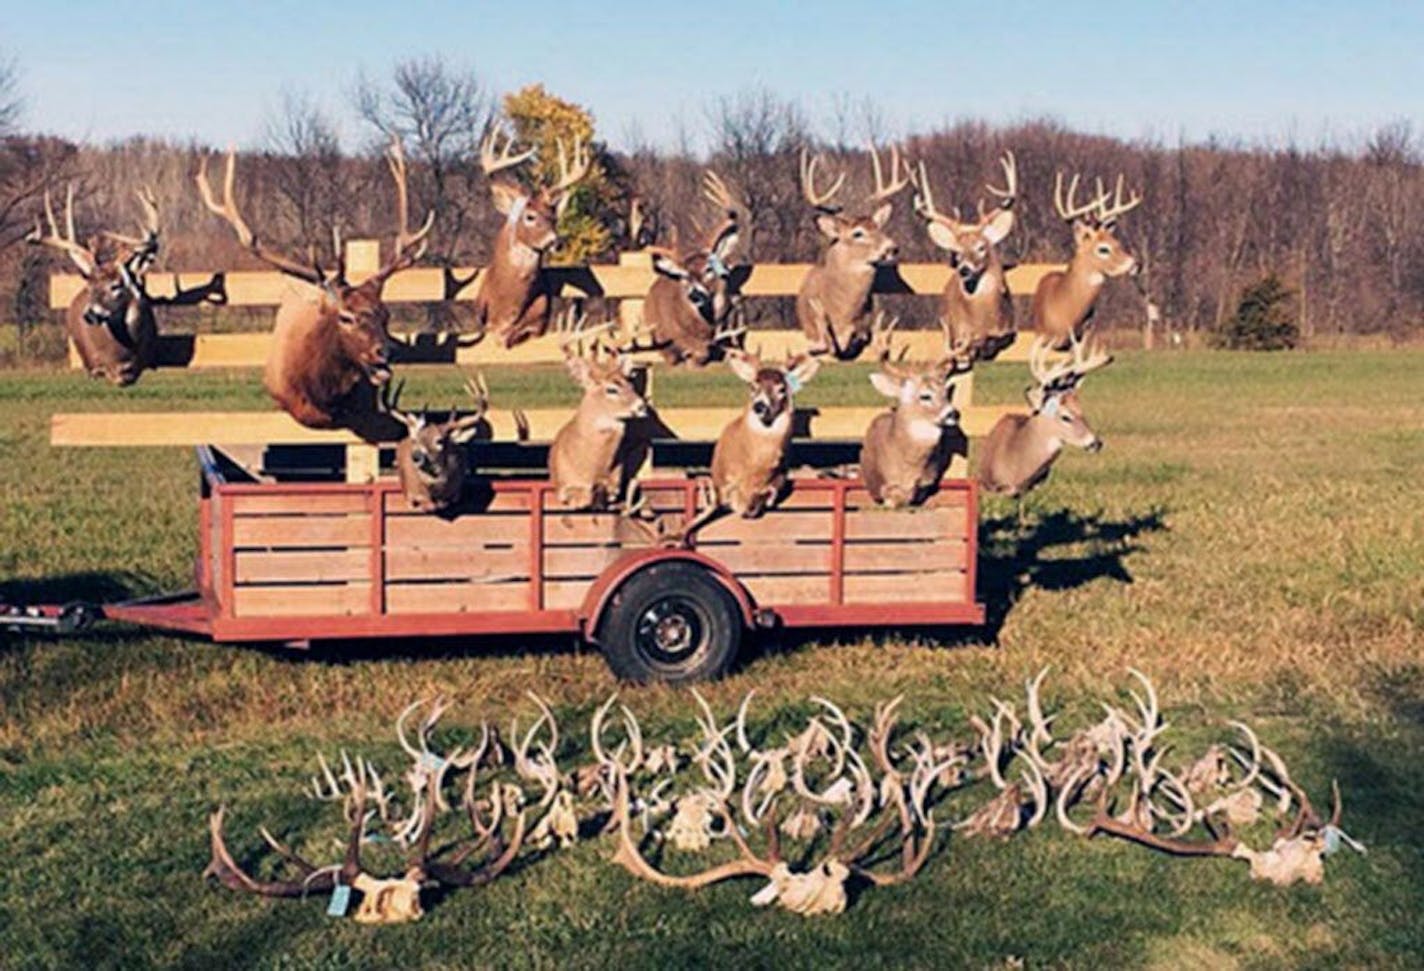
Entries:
{"x":443,"y":598}
{"x":565,"y":594}
{"x":424,"y":284}
{"x":924,"y":523}
{"x":397,"y":504}
{"x":789,"y":590}
{"x":749,"y":560}
{"x":466,"y":562}
{"x":776,"y":527}
{"x":465,"y":531}
{"x":572,"y":562}
{"x":303,"y":503}
{"x":907,"y":588}
{"x":251,"y":349}
{"x":272,"y":427}
{"x":946,"y":554}
{"x":298,"y":565}
{"x":299,"y":531}
{"x":309,"y":601}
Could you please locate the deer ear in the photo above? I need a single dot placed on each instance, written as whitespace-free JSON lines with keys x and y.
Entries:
{"x":669,"y":267}
{"x":1033,"y":394}
{"x":1082,"y":230}
{"x":830,"y":226}
{"x":742,"y":366}
{"x":804,"y":368}
{"x":944,"y":237}
{"x":999,"y":226}
{"x":626,"y":364}
{"x":462,"y":436}
{"x":506,"y":198}
{"x":885,"y":384}
{"x":881,"y":216}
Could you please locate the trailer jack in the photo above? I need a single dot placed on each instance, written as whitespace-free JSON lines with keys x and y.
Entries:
{"x":68,"y":619}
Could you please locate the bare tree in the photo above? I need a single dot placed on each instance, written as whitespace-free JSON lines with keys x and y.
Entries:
{"x":439,"y":112}
{"x":10,"y":103}
{"x":308,"y":169}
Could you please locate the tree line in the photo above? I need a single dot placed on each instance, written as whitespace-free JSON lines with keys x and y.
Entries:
{"x":1334,"y":224}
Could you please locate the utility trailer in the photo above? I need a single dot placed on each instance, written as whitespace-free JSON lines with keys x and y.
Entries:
{"x":299,"y":561}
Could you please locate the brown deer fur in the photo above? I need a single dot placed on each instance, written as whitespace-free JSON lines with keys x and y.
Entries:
{"x":749,"y":459}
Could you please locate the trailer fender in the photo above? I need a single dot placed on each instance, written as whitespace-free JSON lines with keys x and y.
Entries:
{"x":601,"y":593}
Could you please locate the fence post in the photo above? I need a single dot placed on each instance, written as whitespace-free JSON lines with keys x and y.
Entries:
{"x":363,"y":259}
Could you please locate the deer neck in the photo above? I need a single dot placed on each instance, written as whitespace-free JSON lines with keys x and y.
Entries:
{"x":1042,"y":442}
{"x":1081,"y":285}
{"x":597,"y":429}
{"x":914,"y":435}
{"x":845,"y":288}
{"x":513,"y":261}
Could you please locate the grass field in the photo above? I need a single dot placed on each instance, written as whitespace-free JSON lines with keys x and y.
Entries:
{"x":1252,"y":537}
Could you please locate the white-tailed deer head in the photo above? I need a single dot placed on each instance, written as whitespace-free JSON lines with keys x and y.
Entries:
{"x":431,"y":459}
{"x":1020,"y":450}
{"x":749,"y":459}
{"x":1063,"y":302}
{"x":689,"y":305}
{"x":833,"y":305}
{"x":585,"y":460}
{"x":905,"y":453}
{"x":1094,"y":224}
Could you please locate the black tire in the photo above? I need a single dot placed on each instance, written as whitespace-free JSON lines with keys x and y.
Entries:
{"x":673,"y":622}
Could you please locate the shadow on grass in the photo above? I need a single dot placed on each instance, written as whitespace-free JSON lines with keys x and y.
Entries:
{"x":1011,"y":556}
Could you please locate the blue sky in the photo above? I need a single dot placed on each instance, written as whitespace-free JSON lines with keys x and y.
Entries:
{"x":1262,"y":70}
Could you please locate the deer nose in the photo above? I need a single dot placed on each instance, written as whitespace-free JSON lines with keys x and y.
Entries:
{"x":640,"y":410}
{"x":1096,"y":445}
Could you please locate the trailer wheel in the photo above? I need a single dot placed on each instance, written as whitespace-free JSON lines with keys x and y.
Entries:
{"x":672,"y":622}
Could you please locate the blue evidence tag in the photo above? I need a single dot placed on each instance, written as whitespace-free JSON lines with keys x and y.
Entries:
{"x":340,"y":901}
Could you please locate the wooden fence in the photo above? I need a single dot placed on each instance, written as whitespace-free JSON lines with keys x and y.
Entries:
{"x":626,"y":282}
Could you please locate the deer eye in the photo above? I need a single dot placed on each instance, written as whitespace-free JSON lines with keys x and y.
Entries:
{"x":529,"y":218}
{"x":857,"y":234}
{"x":611,"y":390}
{"x":1104,"y":249}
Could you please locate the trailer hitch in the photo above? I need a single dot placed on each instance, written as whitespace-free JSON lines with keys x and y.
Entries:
{"x":68,"y":619}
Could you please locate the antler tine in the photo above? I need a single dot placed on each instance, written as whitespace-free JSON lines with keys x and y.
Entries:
{"x":227,"y":209}
{"x":1088,"y":356}
{"x":495,"y":159}
{"x":715,"y":191}
{"x":897,"y":182}
{"x":1011,"y":181}
{"x":390,"y":402}
{"x":406,"y":241}
{"x":573,"y":164}
{"x":1067,"y":211}
{"x":80,"y":255}
{"x":1107,"y":213}
{"x":820,"y":201}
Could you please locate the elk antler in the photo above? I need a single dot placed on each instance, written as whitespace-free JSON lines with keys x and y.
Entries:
{"x":227,"y":209}
{"x":81,"y":256}
{"x":409,"y":246}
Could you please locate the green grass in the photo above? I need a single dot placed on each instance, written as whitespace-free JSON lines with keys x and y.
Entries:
{"x":1253,"y":537}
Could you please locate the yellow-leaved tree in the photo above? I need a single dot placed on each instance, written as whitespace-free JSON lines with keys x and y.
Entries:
{"x":589,"y":220}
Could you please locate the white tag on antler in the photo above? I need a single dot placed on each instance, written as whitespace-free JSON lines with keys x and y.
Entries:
{"x":1050,"y":406}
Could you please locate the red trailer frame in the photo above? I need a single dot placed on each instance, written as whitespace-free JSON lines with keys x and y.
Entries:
{"x":896,"y":596}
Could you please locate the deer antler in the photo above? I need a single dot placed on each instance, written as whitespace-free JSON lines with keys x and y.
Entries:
{"x":148,"y":243}
{"x":494,"y":158}
{"x":1009,"y":193}
{"x":227,"y":209}
{"x":1106,"y":212}
{"x":479,"y":391}
{"x":1068,"y":210}
{"x":81,"y":256}
{"x":900,"y":175}
{"x":820,"y":200}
